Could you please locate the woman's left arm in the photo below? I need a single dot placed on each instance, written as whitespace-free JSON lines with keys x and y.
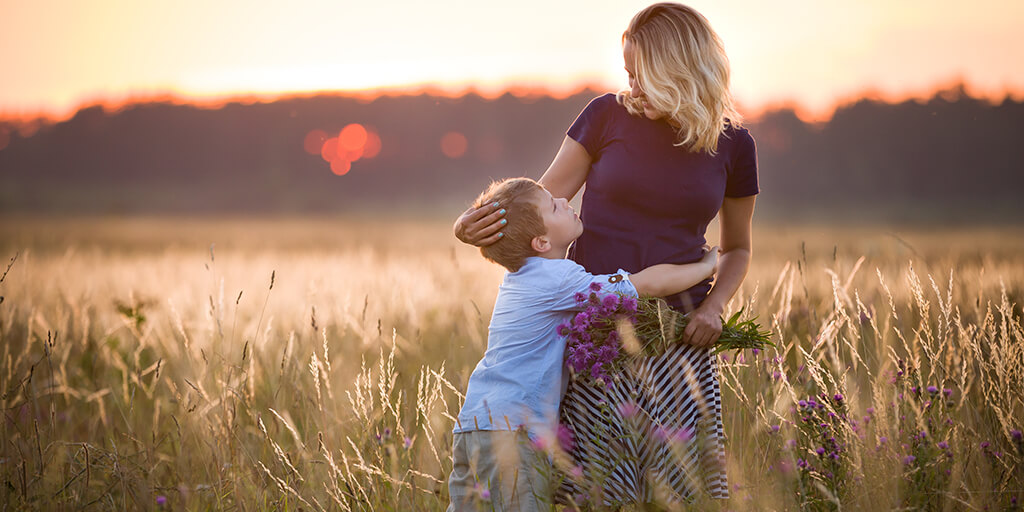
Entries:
{"x":734,"y":219}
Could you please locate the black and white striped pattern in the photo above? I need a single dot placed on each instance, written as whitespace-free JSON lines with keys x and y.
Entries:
{"x":644,"y":456}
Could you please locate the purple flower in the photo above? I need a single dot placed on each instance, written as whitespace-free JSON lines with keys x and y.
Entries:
{"x":407,"y":443}
{"x":933,"y":390}
{"x":803,"y":403}
{"x":1016,"y":435}
{"x":565,"y":438}
{"x":947,"y":392}
{"x":838,"y":397}
{"x":485,"y":494}
{"x":774,"y":428}
{"x":870,"y":410}
{"x":161,"y":500}
{"x":579,"y":298}
{"x":563,"y":329}
{"x":629,"y":304}
{"x":628,"y":409}
{"x":943,"y":445}
{"x":595,"y":287}
{"x":683,"y":435}
{"x":610,"y":302}
{"x":909,"y":459}
{"x":984,"y":445}
{"x":820,"y":451}
{"x":883,"y":440}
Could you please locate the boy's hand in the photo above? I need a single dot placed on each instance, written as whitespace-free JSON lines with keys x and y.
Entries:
{"x":710,"y":260}
{"x":480,"y":226}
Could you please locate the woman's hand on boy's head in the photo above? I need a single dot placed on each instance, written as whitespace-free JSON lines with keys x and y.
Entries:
{"x":480,"y":226}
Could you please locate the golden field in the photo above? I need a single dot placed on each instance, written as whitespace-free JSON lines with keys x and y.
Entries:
{"x":316,"y":364}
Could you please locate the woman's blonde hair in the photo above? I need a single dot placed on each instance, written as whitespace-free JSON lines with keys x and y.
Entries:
{"x":683,"y":71}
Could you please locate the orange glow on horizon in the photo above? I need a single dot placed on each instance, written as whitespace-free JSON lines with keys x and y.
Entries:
{"x":27,"y":123}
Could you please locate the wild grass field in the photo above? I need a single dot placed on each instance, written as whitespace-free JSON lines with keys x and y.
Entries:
{"x":317,"y":364}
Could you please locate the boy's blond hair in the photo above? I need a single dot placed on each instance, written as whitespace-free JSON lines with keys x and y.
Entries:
{"x":516,"y":196}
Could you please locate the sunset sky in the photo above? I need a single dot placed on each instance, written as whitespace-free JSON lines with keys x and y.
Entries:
{"x":56,"y":55}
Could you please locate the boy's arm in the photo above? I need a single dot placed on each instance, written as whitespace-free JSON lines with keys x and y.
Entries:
{"x":666,"y":279}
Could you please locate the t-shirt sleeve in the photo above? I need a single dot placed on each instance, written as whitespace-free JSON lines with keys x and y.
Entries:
{"x":590,"y":126}
{"x":579,"y":281}
{"x":742,"y":178}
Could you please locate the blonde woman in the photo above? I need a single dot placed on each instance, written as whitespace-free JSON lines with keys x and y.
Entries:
{"x":659,"y":161}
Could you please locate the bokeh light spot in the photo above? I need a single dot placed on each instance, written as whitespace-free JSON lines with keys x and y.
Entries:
{"x":314,"y":141}
{"x":329,"y":151}
{"x":454,"y":145}
{"x":352,"y":137}
{"x":350,"y":154}
{"x":341,"y":167}
{"x":373,"y":145}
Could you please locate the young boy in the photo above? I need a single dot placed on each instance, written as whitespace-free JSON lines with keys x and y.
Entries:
{"x":514,"y":393}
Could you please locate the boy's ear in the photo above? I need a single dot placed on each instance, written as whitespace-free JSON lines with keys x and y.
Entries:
{"x":541,"y":244}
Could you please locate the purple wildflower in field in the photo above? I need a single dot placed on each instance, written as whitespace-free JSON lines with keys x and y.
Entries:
{"x":565,"y":438}
{"x":683,"y":435}
{"x":984,"y":445}
{"x":161,"y":500}
{"x":933,"y":390}
{"x":870,"y":410}
{"x":909,"y":459}
{"x":774,"y":429}
{"x":947,"y":392}
{"x":628,"y":409}
{"x":1016,"y":435}
{"x":485,"y":493}
{"x":610,"y":302}
{"x":538,"y":444}
{"x":407,"y":443}
{"x":838,"y":397}
{"x":820,"y":451}
{"x":883,"y":440}
{"x":943,"y":445}
{"x":803,"y":403}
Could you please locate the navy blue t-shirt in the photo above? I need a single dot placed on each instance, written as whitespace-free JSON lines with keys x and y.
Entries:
{"x":647,"y":201}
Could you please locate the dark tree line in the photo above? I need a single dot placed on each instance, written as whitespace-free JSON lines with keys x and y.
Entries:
{"x":950,"y":157}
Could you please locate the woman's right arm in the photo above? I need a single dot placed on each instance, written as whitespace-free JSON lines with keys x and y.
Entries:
{"x":568,"y":171}
{"x":564,"y":177}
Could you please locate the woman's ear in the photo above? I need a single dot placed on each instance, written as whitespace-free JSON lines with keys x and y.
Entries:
{"x":541,"y":244}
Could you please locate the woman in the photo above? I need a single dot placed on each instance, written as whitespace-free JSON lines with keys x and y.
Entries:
{"x":660,"y":161}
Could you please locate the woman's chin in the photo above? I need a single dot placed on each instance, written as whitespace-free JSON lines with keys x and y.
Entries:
{"x":652,"y":114}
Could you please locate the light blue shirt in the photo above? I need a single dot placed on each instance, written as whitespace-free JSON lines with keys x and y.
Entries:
{"x":519,"y":381}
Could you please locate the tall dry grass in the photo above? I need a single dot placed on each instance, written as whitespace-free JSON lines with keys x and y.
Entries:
{"x":318,"y":364}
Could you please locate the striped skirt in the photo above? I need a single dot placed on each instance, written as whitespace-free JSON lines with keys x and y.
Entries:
{"x":653,"y":434}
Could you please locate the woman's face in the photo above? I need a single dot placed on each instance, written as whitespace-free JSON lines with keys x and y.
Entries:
{"x":629,"y":58}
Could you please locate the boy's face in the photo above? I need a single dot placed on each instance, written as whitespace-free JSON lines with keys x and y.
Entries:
{"x":561,"y":221}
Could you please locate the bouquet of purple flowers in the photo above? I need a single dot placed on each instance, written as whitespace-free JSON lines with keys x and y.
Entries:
{"x":613,"y":330}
